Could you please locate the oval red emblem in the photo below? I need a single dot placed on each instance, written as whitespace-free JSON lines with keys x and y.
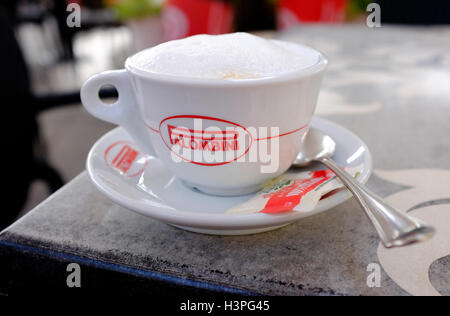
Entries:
{"x":203,"y":140}
{"x":124,"y":157}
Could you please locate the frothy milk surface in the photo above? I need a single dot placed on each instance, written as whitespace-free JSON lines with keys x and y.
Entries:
{"x":229,"y":56}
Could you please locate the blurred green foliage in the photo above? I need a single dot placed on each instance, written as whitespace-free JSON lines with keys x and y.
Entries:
{"x":135,"y":9}
{"x":357,"y":8}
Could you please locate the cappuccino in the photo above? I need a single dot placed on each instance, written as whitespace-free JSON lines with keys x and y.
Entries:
{"x":229,"y":56}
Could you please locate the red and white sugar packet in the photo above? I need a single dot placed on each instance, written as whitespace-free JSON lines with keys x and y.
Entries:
{"x":299,"y":192}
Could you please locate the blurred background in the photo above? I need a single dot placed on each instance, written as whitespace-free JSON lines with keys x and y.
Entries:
{"x":49,"y":48}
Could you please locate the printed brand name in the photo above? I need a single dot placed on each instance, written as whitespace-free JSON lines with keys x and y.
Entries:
{"x":123,"y":157}
{"x":203,"y":140}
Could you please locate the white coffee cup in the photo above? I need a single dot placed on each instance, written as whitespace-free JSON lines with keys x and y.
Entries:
{"x":151,"y":105}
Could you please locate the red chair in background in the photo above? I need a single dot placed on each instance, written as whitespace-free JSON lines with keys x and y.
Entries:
{"x":294,"y":12}
{"x":183,"y":18}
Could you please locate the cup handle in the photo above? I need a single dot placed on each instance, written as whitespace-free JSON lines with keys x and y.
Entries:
{"x":123,"y":112}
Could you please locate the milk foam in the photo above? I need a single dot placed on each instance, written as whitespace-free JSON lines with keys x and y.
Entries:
{"x":229,"y":56}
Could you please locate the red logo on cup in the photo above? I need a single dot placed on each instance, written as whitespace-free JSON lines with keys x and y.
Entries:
{"x":191,"y":137}
{"x":203,"y":140}
{"x":125,"y":158}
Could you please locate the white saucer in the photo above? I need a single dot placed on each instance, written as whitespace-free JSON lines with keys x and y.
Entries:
{"x":147,"y":187}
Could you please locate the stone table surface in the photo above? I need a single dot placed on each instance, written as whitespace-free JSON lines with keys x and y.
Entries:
{"x":391,"y":86}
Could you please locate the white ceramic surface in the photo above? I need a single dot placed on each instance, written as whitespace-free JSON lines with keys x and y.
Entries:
{"x":151,"y":105}
{"x":144,"y":184}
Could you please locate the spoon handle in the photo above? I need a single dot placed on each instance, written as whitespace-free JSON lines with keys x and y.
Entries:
{"x":395,"y":228}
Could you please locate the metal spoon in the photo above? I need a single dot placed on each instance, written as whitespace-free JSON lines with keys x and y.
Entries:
{"x":395,"y":228}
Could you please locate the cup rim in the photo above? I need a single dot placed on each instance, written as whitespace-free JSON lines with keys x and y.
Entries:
{"x":319,"y":66}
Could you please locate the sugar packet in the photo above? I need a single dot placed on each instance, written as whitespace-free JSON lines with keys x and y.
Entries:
{"x":299,"y":192}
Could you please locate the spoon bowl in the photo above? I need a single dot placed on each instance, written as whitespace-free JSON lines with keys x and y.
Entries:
{"x":317,"y":145}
